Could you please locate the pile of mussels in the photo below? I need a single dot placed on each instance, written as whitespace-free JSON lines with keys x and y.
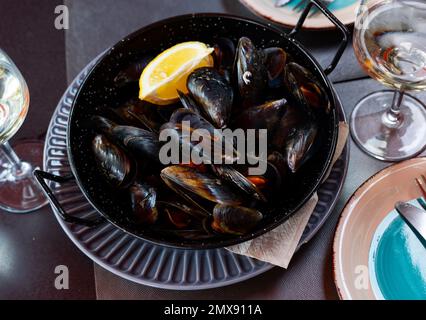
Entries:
{"x":247,"y":88}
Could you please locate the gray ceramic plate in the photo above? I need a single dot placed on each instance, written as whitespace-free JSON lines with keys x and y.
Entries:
{"x":146,"y":263}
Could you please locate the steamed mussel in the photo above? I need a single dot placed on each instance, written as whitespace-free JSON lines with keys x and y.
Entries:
{"x":251,"y":72}
{"x":213,"y":144}
{"x":207,"y":186}
{"x":116,"y":166}
{"x":235,"y":220}
{"x":236,"y":178}
{"x":143,"y":199}
{"x":305,"y":88}
{"x":213,"y":93}
{"x":264,"y":116}
{"x":275,"y":61}
{"x":300,"y":145}
{"x":248,"y":87}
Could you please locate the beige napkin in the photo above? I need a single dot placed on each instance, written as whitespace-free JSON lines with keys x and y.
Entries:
{"x":278,"y":246}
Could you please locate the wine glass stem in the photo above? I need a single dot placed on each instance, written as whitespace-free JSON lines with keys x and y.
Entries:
{"x":12,"y":158}
{"x":393,"y":117}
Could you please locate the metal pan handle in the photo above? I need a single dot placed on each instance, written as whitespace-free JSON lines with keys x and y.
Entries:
{"x":344,"y":30}
{"x":41,"y":176}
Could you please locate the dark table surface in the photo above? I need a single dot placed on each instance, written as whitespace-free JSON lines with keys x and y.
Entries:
{"x":31,"y":246}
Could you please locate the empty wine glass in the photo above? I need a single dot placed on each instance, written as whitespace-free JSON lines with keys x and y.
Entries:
{"x":19,"y":191}
{"x":390,"y":44}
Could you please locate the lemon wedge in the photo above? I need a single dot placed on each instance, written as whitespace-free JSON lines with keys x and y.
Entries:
{"x":169,"y":71}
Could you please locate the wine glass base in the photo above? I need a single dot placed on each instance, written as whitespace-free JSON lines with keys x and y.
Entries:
{"x":404,"y":141}
{"x":21,"y":193}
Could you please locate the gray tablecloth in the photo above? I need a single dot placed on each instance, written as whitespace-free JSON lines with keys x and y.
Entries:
{"x":95,"y":25}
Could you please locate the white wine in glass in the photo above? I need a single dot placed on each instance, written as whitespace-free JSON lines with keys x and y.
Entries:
{"x":390,"y":44}
{"x":19,"y":192}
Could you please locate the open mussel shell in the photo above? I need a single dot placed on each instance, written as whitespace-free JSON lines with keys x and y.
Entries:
{"x":213,"y":93}
{"x":235,"y":220}
{"x":178,"y":218}
{"x":181,"y":215}
{"x":305,"y":88}
{"x":200,"y":203}
{"x":143,"y":199}
{"x":184,"y":179}
{"x":236,"y":178}
{"x":251,"y":72}
{"x":300,"y":145}
{"x":117,"y":167}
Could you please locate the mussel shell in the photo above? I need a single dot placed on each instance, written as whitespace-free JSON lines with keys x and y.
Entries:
{"x":142,"y":144}
{"x":117,"y":167}
{"x":143,"y":199}
{"x":214,"y":144}
{"x":195,"y":119}
{"x":188,"y":103}
{"x":236,"y":178}
{"x":181,"y":215}
{"x":235,"y":220}
{"x":275,"y":61}
{"x":300,"y":145}
{"x":204,"y":185}
{"x":265,"y":116}
{"x":251,"y":72}
{"x":184,"y":208}
{"x":305,"y":88}
{"x":292,"y":118}
{"x":213,"y":94}
{"x":224,"y":56}
{"x":178,"y":218}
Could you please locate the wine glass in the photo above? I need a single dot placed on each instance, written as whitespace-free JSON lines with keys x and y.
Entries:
{"x":19,"y":191}
{"x":390,"y":44}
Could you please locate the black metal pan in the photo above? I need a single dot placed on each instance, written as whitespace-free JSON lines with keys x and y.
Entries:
{"x":97,"y":92}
